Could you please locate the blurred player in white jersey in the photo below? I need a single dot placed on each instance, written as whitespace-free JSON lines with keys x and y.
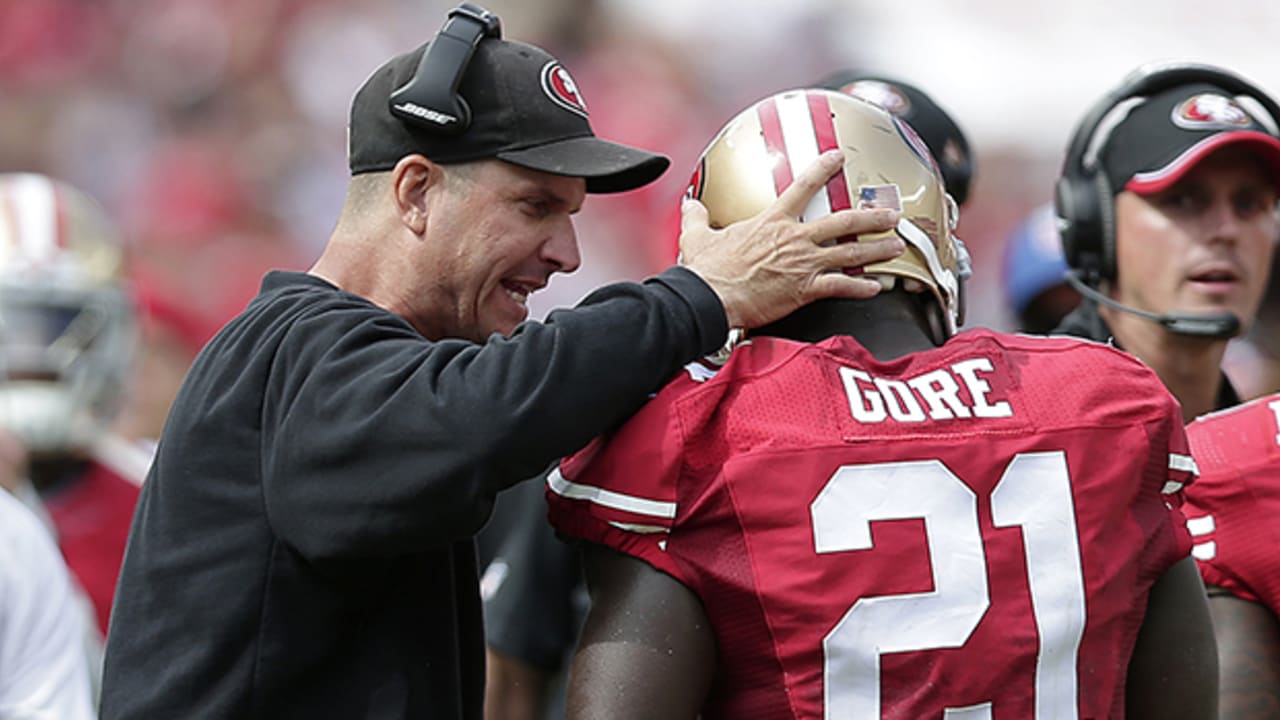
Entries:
{"x":67,"y":336}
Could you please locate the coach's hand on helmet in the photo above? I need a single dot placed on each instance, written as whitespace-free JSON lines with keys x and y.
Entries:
{"x":765,"y":267}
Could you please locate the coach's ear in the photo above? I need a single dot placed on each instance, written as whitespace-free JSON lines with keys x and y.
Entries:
{"x":411,"y":179}
{"x":647,"y":649}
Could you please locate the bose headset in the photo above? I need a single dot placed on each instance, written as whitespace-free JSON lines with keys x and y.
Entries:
{"x":430,"y":99}
{"x":1085,"y":203}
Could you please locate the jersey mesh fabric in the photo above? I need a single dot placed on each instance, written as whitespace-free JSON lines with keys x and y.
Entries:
{"x":1232,"y":509}
{"x":740,"y":461}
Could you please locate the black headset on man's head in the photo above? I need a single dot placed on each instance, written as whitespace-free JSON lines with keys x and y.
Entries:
{"x":1085,"y":201}
{"x":430,"y":99}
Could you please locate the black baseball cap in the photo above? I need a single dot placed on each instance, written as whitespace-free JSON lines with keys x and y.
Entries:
{"x":1166,"y":134}
{"x":525,"y":109}
{"x":939,"y":131}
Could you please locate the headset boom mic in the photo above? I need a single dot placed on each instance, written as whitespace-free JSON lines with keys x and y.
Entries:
{"x":1220,"y":326}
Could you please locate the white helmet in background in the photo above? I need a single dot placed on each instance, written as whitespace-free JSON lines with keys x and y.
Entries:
{"x":758,"y":153}
{"x":67,"y":328}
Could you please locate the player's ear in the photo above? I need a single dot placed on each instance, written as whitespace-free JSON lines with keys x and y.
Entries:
{"x":411,"y":179}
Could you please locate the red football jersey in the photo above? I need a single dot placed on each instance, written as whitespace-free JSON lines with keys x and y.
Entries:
{"x":1234,"y":511}
{"x":971,"y":530}
{"x":92,"y":517}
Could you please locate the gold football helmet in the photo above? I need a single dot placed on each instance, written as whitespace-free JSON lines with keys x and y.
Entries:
{"x":66,"y":317}
{"x":758,"y":153}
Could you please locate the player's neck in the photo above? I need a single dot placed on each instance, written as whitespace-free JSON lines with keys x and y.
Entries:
{"x":890,"y":325}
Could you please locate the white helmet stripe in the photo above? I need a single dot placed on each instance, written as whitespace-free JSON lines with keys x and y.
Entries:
{"x":775,"y":145}
{"x":824,"y":130}
{"x":32,"y":204}
{"x":802,"y":147}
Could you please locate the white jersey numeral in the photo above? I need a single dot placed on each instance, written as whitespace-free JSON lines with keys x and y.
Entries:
{"x":1034,"y":494}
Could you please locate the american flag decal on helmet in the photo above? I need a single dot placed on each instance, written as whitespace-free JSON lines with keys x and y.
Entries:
{"x":880,"y":196}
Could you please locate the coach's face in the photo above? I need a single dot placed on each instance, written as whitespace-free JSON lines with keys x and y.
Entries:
{"x":495,"y":234}
{"x":1202,"y":245}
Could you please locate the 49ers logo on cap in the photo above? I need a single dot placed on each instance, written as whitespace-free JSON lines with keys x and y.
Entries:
{"x":1210,"y":111}
{"x":560,"y":87}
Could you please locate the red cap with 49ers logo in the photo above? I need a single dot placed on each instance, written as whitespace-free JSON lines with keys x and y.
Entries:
{"x":525,"y":109}
{"x":1165,"y":135}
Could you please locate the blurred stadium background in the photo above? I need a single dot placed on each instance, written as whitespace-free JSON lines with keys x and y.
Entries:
{"x":214,"y":129}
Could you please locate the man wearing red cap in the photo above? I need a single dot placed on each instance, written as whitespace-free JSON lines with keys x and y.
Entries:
{"x":1168,"y":209}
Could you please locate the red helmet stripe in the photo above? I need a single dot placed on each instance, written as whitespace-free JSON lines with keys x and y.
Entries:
{"x":775,"y":144}
{"x":825,"y":130}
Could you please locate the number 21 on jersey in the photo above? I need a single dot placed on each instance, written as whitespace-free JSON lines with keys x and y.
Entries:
{"x":1034,"y":494}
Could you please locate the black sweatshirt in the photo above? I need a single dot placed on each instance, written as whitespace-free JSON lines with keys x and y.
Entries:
{"x":303,"y":544}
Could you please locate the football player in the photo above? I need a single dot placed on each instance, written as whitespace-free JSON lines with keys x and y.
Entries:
{"x":67,"y":334}
{"x":860,"y":514}
{"x":536,"y":576}
{"x":1232,"y":512}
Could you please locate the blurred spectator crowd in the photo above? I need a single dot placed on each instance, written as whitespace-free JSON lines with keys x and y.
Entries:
{"x":214,"y":130}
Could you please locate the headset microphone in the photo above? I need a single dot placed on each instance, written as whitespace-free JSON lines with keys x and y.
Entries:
{"x":1206,"y":325}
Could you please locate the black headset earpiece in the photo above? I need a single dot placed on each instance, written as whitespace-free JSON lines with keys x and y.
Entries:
{"x":430,"y":99}
{"x":1085,"y":212}
{"x":1084,"y":196}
